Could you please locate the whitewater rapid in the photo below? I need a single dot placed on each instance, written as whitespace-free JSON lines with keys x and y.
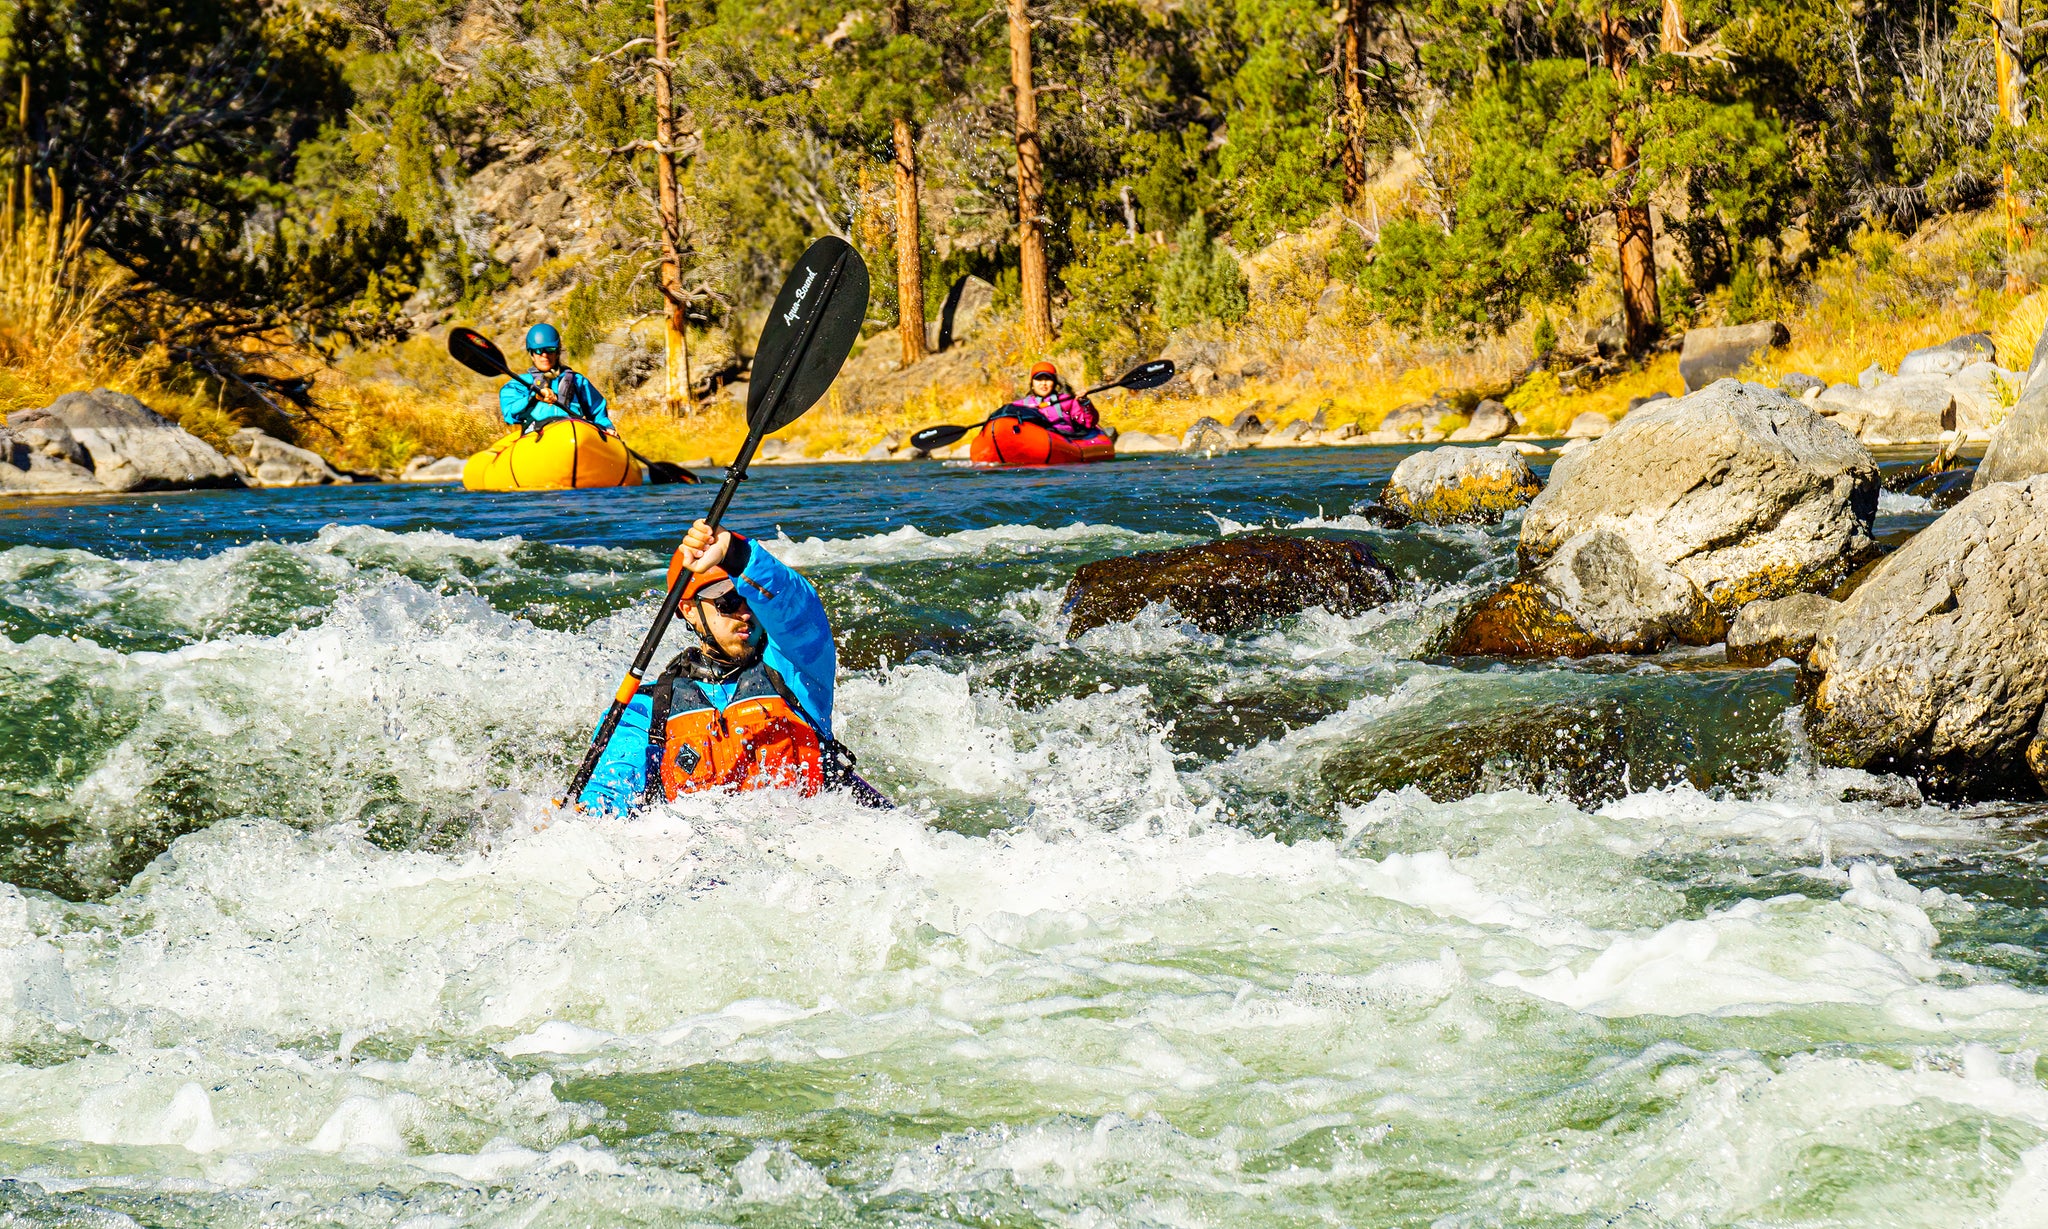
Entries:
{"x":294,"y":936}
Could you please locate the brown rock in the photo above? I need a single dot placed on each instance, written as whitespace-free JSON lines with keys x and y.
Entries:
{"x":1233,"y":583}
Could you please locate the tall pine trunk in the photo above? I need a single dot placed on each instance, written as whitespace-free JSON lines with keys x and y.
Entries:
{"x":909,"y":253}
{"x":1351,"y":98}
{"x":1034,"y":289}
{"x":676,"y":391}
{"x":1634,"y":240}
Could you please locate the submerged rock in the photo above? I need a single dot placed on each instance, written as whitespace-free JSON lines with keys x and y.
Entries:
{"x":129,"y":446}
{"x":1446,"y":485}
{"x":1233,"y":583}
{"x":1784,"y":627}
{"x":1686,"y":512}
{"x":1937,"y":665}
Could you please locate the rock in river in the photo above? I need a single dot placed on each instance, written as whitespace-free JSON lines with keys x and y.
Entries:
{"x":126,"y":445}
{"x":1937,"y":665}
{"x":1233,"y":583}
{"x":267,"y":461}
{"x":1447,"y":485}
{"x":1687,"y":511}
{"x":1784,"y":627}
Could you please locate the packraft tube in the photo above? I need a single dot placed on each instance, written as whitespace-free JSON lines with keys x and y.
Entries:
{"x":1011,"y":441}
{"x":560,"y":455}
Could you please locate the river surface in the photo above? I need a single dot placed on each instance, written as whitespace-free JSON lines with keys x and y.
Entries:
{"x":1298,"y":927}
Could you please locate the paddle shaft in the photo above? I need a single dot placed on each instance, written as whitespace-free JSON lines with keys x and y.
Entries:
{"x":734,"y":475}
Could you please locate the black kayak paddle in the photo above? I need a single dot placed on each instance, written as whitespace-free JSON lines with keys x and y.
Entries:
{"x":1149,"y":375}
{"x":810,"y":331}
{"x":481,"y":355}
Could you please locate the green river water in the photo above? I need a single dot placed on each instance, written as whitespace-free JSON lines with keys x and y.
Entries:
{"x":1303,"y":927}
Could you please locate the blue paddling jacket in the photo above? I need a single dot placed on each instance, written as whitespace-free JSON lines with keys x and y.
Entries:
{"x":577,"y":396}
{"x":800,"y":660}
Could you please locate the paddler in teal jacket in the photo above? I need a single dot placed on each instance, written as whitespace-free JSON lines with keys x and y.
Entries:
{"x":749,"y":706}
{"x":551,"y":391}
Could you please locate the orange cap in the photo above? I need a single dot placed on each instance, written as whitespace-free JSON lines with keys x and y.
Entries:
{"x":697,"y":581}
{"x":1044,"y":369}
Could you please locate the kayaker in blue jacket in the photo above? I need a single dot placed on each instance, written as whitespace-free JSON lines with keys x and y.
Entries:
{"x":750,"y":705}
{"x":550,"y":390}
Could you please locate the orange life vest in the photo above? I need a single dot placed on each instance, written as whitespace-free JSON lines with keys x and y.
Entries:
{"x":759,"y":740}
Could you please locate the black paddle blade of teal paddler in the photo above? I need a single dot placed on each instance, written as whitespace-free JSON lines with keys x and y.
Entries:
{"x":810,"y":330}
{"x":1150,"y":375}
{"x":477,"y":352}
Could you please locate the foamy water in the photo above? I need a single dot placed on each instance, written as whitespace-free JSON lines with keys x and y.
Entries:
{"x":1301,"y":926}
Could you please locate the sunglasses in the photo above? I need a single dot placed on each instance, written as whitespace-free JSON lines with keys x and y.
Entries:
{"x":729,"y":603}
{"x":549,"y":350}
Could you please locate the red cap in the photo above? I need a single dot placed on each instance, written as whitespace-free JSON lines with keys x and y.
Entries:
{"x":1044,"y":369}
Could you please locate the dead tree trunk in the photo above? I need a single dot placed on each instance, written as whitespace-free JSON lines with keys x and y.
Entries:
{"x":1351,"y":100}
{"x":1633,"y":237}
{"x":909,"y":254}
{"x":676,"y":385}
{"x":1033,"y":288}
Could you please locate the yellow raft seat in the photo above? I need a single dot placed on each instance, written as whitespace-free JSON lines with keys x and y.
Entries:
{"x":559,"y":455}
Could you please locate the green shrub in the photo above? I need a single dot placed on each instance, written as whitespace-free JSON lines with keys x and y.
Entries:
{"x":1200,"y":281}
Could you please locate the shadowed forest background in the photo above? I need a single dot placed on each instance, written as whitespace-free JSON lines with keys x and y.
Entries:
{"x":265,"y":213}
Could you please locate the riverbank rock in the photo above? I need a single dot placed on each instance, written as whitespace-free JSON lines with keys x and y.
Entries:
{"x":432,"y":469}
{"x":1209,"y":437}
{"x":1713,"y":354}
{"x":1907,"y":409}
{"x":1950,"y":356}
{"x":1446,"y":485}
{"x":34,"y":462}
{"x":1686,"y":512}
{"x":1590,"y":425}
{"x":1134,"y":443}
{"x":1787,"y":627}
{"x":127,"y":445}
{"x":1233,"y":583}
{"x":263,"y":460}
{"x":1937,"y":665}
{"x":1490,"y":421}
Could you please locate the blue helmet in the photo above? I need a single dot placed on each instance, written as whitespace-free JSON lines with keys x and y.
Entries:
{"x":543,"y":337}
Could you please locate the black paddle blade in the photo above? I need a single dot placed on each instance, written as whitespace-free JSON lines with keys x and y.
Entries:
{"x":668,"y":473}
{"x":810,"y":331}
{"x":476,"y":352}
{"x":938,"y":437}
{"x":1151,"y":375}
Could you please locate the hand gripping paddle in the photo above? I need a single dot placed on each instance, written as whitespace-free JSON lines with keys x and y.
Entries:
{"x":478,"y":353}
{"x":1150,"y":375}
{"x":810,"y":330}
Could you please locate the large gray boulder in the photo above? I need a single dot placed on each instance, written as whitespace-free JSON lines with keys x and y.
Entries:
{"x":266,"y":461}
{"x":1950,"y":356}
{"x":2019,"y":447}
{"x":1937,"y":665}
{"x":1448,"y":485}
{"x":1683,"y":514}
{"x":1715,"y":354}
{"x":129,"y":446}
{"x":1908,"y":409}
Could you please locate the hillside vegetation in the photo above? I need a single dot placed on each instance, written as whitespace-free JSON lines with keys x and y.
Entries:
{"x":266,"y":213}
